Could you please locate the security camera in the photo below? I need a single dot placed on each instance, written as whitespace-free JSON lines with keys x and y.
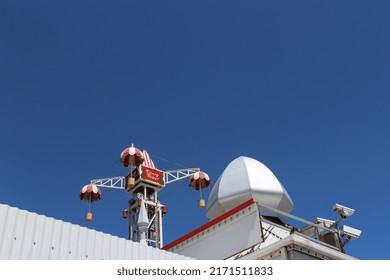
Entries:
{"x":325,"y":223}
{"x":350,"y":232}
{"x":343,"y":210}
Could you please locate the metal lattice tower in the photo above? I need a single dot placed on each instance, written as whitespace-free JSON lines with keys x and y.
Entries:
{"x":145,"y":212}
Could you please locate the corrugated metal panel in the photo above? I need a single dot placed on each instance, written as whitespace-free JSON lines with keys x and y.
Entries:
{"x":29,"y":236}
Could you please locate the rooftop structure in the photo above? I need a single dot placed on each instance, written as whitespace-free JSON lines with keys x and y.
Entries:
{"x":246,"y":178}
{"x":247,"y":209}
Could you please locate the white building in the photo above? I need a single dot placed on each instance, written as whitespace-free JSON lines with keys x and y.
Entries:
{"x":247,"y":208}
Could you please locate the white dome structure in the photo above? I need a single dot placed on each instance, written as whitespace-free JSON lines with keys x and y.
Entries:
{"x":245,"y":178}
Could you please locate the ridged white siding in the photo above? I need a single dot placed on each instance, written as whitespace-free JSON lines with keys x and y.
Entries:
{"x":29,"y":236}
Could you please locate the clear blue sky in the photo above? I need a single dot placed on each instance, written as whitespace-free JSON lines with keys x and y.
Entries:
{"x":302,"y":86}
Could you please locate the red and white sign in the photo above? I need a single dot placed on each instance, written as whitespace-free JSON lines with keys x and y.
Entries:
{"x":153,"y":175}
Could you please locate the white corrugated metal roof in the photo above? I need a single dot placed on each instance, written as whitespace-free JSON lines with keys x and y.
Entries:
{"x":29,"y":236}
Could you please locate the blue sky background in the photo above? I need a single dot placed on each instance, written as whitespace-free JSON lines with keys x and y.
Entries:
{"x":302,"y":86}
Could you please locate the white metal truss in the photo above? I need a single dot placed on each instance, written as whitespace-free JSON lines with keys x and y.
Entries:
{"x":171,"y":176}
{"x":119,"y":182}
{"x":111,"y":183}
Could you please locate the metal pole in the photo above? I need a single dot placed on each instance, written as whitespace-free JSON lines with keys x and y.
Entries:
{"x":160,"y":229}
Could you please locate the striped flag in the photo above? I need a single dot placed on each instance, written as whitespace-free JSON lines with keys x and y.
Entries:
{"x":148,"y":162}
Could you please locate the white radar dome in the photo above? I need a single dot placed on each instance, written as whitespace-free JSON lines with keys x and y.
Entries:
{"x":245,"y":178}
